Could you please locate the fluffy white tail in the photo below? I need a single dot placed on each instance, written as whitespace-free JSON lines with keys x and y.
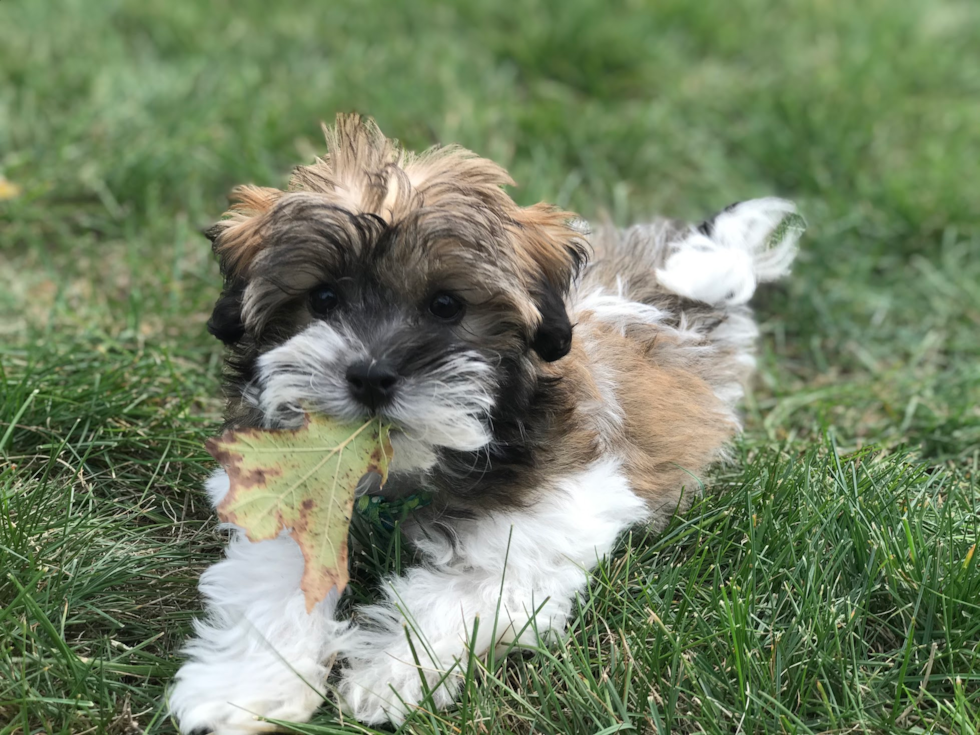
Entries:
{"x":722,"y":261}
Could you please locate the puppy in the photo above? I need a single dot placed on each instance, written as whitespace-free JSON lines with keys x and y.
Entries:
{"x":549,"y":387}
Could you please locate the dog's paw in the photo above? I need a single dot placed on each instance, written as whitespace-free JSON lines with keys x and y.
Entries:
{"x":206,"y":701}
{"x":224,"y":718}
{"x":388,"y":688}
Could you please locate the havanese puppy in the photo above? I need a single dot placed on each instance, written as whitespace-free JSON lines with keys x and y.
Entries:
{"x":550,"y":387}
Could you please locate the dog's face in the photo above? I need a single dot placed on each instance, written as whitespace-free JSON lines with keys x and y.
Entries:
{"x":387,"y":284}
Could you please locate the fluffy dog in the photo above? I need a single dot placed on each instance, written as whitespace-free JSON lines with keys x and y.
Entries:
{"x":550,"y":387}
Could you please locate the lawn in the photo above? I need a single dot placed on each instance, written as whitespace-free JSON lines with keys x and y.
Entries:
{"x":826,"y":581}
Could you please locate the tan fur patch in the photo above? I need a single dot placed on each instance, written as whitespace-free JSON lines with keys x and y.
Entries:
{"x":659,"y":416}
{"x":241,"y":237}
{"x":545,"y":240}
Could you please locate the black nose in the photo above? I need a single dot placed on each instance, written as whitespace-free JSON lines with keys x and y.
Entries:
{"x":372,"y":382}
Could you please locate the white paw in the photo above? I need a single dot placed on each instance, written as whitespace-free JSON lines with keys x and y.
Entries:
{"x":214,"y":699}
{"x":387,"y":688}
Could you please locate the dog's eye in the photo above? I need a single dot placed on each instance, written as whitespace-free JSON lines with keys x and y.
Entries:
{"x":323,"y":300}
{"x":446,"y":307}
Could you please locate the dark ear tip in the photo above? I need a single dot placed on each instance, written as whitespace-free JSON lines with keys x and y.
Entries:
{"x":227,"y":333}
{"x":553,"y":343}
{"x":553,"y":338}
{"x":555,"y":353}
{"x":226,"y":320}
{"x":212,"y":233}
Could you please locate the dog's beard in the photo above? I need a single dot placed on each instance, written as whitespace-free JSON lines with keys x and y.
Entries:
{"x":447,"y":404}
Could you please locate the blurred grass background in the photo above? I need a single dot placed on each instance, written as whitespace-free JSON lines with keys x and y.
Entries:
{"x":827,"y":584}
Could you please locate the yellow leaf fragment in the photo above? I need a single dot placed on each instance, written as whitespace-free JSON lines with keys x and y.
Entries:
{"x":8,"y":189}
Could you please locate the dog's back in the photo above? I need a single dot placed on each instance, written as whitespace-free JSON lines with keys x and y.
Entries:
{"x":665,"y":341}
{"x":696,"y":281}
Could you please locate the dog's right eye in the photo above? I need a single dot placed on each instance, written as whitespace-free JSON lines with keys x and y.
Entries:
{"x":323,"y":300}
{"x":446,"y":307}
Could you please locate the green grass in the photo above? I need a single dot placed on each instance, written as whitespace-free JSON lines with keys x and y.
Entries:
{"x":826,"y":583}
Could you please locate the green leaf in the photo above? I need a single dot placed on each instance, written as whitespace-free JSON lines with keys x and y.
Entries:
{"x":302,"y":480}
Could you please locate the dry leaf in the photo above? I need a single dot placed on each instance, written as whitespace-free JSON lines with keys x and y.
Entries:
{"x":8,"y":189}
{"x":302,"y":480}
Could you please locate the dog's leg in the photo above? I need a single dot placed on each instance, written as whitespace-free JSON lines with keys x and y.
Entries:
{"x":257,"y":652}
{"x":517,"y":573}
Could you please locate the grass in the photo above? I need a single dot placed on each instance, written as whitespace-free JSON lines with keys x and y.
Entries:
{"x":827,"y":582}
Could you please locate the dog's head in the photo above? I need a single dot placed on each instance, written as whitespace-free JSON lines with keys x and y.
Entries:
{"x":385,"y":283}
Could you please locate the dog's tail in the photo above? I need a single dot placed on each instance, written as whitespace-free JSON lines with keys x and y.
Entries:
{"x":723,"y":260}
{"x":696,"y":280}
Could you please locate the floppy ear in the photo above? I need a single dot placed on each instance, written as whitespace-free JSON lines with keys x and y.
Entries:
{"x":239,"y":237}
{"x":553,"y":253}
{"x":553,"y":338}
{"x":226,"y":321}
{"x":236,"y":240}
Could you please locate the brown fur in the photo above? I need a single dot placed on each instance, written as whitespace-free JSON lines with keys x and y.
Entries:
{"x":672,"y":424}
{"x":447,"y":199}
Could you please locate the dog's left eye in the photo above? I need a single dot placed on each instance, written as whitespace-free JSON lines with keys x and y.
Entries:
{"x":446,"y":307}
{"x":323,"y":300}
